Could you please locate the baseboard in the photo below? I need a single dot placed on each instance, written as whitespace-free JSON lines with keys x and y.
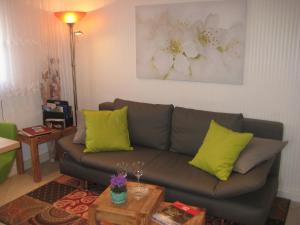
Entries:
{"x":293,"y":195}
{"x":43,"y":158}
{"x":27,"y":163}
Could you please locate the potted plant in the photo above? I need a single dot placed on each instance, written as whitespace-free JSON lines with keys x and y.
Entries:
{"x":118,"y":189}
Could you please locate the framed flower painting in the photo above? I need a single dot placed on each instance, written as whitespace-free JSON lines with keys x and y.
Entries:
{"x":196,"y":41}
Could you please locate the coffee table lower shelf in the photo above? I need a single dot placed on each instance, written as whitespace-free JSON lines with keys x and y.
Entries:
{"x":197,"y":220}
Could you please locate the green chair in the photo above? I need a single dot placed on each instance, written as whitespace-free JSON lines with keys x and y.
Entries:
{"x":7,"y":130}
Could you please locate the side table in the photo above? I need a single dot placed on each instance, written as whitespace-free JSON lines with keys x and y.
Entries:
{"x":33,"y":143}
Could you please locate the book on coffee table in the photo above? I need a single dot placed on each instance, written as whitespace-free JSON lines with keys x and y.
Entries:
{"x":176,"y":213}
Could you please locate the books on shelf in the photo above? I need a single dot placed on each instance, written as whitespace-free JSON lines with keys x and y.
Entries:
{"x":36,"y":130}
{"x":54,"y":111}
{"x":55,"y":123}
{"x":176,"y":214}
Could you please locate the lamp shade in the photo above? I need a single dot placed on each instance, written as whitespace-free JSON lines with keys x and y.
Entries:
{"x":69,"y":17}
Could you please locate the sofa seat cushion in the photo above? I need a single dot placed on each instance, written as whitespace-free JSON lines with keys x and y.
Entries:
{"x":173,"y":171}
{"x":107,"y":161}
{"x":74,"y":150}
{"x":189,"y":127}
{"x":149,"y":124}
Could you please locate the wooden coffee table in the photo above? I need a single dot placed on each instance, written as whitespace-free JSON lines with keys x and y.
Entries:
{"x":132,"y":212}
{"x":7,"y":145}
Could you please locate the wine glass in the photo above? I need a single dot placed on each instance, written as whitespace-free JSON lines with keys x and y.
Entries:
{"x":137,"y":169}
{"x":122,"y":168}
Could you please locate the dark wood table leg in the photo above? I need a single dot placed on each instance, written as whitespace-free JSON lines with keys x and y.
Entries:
{"x":35,"y":161}
{"x":92,"y":216}
{"x":19,"y":160}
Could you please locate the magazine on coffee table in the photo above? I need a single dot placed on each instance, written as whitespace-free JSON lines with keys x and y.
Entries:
{"x":176,"y":214}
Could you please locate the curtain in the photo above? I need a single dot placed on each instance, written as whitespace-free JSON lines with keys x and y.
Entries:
{"x":21,"y":48}
{"x":29,"y":37}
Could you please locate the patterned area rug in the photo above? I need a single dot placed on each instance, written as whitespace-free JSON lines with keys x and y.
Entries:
{"x":63,"y":202}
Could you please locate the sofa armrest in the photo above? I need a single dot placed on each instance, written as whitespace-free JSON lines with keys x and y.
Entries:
{"x":266,"y":129}
{"x":239,"y":184}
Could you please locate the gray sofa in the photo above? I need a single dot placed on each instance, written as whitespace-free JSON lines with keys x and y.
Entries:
{"x":166,"y":138}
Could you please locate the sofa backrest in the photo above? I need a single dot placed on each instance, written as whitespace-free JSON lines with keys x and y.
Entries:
{"x":263,"y":128}
{"x":106,"y":106}
{"x":149,"y":125}
{"x":189,"y":127}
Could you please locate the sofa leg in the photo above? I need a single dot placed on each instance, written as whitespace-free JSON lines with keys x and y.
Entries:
{"x":222,"y":221}
{"x":84,"y":185}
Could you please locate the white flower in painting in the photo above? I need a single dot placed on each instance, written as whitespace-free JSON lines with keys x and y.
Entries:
{"x":221,"y":49}
{"x":209,"y":67}
{"x":171,"y":58}
{"x":231,"y":44}
{"x":175,"y":48}
{"x":208,"y":34}
{"x":232,"y":50}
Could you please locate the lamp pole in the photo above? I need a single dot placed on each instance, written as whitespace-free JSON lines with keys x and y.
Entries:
{"x":73,"y":65}
{"x":71,"y":18}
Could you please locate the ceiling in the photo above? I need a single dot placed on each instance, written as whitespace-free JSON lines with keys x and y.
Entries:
{"x":76,"y":5}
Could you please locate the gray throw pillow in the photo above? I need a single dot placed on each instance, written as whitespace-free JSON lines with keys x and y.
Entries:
{"x":257,"y":151}
{"x":79,"y":137}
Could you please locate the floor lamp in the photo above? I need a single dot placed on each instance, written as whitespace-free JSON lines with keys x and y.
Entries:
{"x":72,"y":18}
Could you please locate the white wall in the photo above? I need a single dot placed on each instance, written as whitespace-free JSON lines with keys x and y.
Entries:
{"x":106,"y":69}
{"x":24,"y":111}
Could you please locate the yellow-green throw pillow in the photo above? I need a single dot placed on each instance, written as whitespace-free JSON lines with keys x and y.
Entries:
{"x":220,"y":149}
{"x":106,"y":130}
